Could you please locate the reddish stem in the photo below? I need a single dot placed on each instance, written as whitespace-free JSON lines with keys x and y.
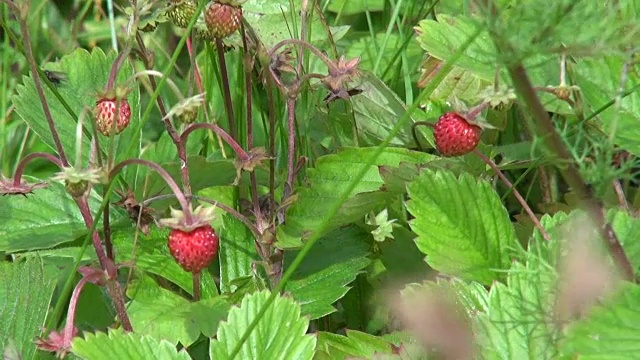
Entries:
{"x":107,"y":265}
{"x":223,"y":134}
{"x":225,"y":87}
{"x":291,"y":123}
{"x":167,"y":178}
{"x":249,"y":101}
{"x":17,"y":177}
{"x":115,"y":67}
{"x":516,"y":193}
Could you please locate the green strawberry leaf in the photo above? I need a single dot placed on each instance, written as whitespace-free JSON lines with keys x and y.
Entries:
{"x":627,"y":228}
{"x":353,"y":7}
{"x":25,"y":293}
{"x":124,"y":346}
{"x":237,"y":252}
{"x":333,"y":263}
{"x":280,"y":333}
{"x":87,"y":73}
{"x":327,"y":181}
{"x":462,"y":226}
{"x":44,"y":219}
{"x":272,"y":22}
{"x":164,"y":315}
{"x":599,"y":82}
{"x":355,"y":345}
{"x":610,"y":331}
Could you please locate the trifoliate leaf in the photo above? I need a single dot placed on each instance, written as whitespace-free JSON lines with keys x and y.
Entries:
{"x":280,"y":333}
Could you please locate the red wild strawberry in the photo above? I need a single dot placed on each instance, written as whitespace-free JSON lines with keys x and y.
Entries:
{"x":223,"y":18}
{"x":455,"y":136}
{"x":105,"y":113}
{"x":194,"y":250}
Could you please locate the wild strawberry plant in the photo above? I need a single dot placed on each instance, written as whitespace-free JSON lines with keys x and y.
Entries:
{"x":319,"y":179}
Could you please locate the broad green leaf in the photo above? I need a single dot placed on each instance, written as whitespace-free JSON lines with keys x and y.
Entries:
{"x":151,"y":254}
{"x":355,"y":344}
{"x":352,"y":7}
{"x":164,"y":315}
{"x":459,"y":83}
{"x":518,"y":321}
{"x":442,"y":38}
{"x":87,"y":74}
{"x":124,"y":346}
{"x":329,"y":179}
{"x":462,"y":226}
{"x":334,"y":262}
{"x":599,"y":82}
{"x":44,"y":219}
{"x":377,"y":110}
{"x":25,"y":292}
{"x":367,"y":48}
{"x":277,"y":20}
{"x":237,"y":252}
{"x":610,"y":331}
{"x":627,"y":228}
{"x":280,"y":333}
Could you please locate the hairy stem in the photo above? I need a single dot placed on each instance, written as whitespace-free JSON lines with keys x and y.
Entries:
{"x":167,"y":178}
{"x":248,"y":66}
{"x":229,"y":210}
{"x":291,"y":153}
{"x":17,"y":177}
{"x":107,"y":265}
{"x":220,"y":132}
{"x":516,"y":193}
{"x":26,"y":40}
{"x":228,"y":104}
{"x":568,"y":169}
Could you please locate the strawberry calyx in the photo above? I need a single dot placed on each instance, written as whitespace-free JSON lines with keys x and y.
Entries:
{"x":201,"y":216}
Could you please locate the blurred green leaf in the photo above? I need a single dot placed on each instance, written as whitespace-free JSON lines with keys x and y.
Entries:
{"x":25,"y":292}
{"x":610,"y":330}
{"x":124,"y":346}
{"x":462,"y":226}
{"x":352,"y":7}
{"x":280,"y":333}
{"x":333,"y":263}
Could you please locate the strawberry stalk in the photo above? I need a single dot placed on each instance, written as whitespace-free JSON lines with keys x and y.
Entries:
{"x":17,"y":177}
{"x":220,"y":132}
{"x":184,"y":204}
{"x":21,"y":12}
{"x":247,"y":67}
{"x":231,"y":211}
{"x":228,"y":105}
{"x":516,"y":193}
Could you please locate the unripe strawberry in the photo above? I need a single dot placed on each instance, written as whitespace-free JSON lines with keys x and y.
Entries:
{"x":223,"y":19}
{"x":105,"y":113}
{"x":455,"y":136}
{"x":76,"y":189}
{"x":181,"y":12}
{"x":194,"y":250}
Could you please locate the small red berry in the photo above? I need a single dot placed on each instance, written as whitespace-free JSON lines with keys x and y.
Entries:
{"x":455,"y":136}
{"x":194,"y":250}
{"x":105,"y":113}
{"x":222,"y":19}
